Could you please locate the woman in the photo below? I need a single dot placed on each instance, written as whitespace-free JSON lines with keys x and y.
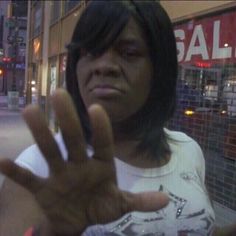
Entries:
{"x":121,"y":74}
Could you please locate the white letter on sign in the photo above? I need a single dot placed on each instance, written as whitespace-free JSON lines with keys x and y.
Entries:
{"x":217,"y":52}
{"x":197,"y":50}
{"x":180,"y":45}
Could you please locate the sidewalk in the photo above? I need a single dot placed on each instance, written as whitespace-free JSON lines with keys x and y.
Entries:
{"x":14,"y":134}
{"x":5,"y":111}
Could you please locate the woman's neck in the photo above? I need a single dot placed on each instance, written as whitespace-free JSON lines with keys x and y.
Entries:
{"x":126,"y":150}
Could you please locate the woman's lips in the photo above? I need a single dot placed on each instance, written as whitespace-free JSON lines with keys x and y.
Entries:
{"x":105,"y":91}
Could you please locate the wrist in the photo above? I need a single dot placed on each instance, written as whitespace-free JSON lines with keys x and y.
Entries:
{"x":35,"y":231}
{"x":32,"y":231}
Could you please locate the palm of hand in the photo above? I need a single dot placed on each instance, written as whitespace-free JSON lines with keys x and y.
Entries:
{"x":82,"y":195}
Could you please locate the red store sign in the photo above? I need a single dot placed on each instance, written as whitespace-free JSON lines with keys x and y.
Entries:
{"x":211,"y":39}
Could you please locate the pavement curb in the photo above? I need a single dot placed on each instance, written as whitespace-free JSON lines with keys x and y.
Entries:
{"x":7,"y":111}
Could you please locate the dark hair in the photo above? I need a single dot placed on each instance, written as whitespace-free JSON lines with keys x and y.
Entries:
{"x":98,"y":27}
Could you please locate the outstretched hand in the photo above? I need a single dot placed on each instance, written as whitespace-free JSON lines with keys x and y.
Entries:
{"x":81,"y":191}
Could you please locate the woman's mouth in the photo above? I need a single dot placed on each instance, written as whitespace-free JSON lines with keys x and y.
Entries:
{"x":105,"y":90}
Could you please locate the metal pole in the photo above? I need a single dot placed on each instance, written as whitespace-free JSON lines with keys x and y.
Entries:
{"x":15,"y":54}
{"x":13,"y":95}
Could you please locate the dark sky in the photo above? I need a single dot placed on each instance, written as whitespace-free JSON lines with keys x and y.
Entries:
{"x":19,"y":8}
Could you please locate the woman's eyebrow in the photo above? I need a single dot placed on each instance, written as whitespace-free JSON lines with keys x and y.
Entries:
{"x":130,"y":41}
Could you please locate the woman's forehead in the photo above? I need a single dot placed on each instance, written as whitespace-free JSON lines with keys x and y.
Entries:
{"x":132,"y":32}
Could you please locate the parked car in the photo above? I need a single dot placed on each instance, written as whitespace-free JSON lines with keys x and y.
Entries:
{"x":206,"y":106}
{"x":191,"y":101}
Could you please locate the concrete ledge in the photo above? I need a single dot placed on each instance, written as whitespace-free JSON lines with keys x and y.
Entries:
{"x":4,"y":101}
{"x":224,"y":215}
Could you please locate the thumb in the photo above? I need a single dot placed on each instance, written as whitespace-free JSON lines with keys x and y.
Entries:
{"x":145,"y":201}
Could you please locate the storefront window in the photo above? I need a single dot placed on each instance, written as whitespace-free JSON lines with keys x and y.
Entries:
{"x":55,"y":11}
{"x":69,"y":4}
{"x":37,"y":19}
{"x":207,"y":95}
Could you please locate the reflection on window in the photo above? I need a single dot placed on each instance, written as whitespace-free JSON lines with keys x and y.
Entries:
{"x":37,"y":19}
{"x":36,"y":48}
{"x":55,"y":10}
{"x":69,"y":4}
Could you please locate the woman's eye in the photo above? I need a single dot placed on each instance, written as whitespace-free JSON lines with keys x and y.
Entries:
{"x":130,"y":52}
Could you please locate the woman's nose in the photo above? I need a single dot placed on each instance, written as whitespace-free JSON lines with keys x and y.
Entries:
{"x":106,"y":64}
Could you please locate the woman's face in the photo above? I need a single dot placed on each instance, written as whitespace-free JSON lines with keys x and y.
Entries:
{"x":120,"y":78}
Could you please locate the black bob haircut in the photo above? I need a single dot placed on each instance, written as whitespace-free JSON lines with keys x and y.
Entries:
{"x":98,"y":27}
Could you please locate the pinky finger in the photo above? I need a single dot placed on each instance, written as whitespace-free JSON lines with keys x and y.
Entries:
{"x":20,"y":175}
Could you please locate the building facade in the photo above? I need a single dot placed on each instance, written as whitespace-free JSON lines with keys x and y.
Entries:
{"x":51,"y":24}
{"x":13,"y":27}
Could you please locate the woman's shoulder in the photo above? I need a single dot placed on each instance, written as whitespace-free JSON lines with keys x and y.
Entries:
{"x":178,"y":136}
{"x":32,"y":159}
{"x":181,"y":139}
{"x":185,"y":146}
